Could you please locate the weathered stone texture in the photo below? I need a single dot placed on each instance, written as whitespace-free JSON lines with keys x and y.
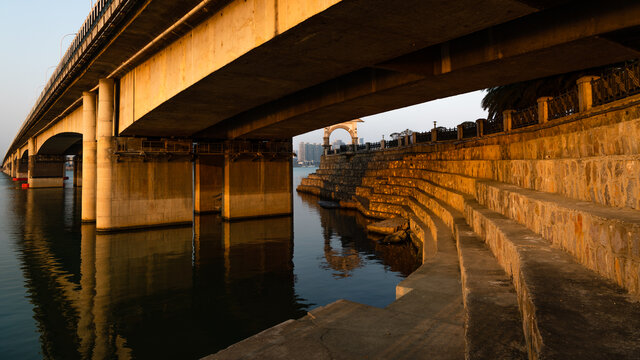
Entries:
{"x":582,"y":169}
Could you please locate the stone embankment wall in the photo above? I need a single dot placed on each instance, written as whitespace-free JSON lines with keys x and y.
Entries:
{"x":575,"y":181}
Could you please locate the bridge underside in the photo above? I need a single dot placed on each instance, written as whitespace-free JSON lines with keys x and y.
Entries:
{"x":336,"y":66}
{"x":266,"y":70}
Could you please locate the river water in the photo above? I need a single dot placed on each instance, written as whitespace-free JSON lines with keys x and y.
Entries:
{"x":183,"y":292}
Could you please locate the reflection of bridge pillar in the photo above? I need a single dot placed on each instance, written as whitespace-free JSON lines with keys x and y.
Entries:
{"x":257,"y":185}
{"x":87,"y":285}
{"x":88,"y":157}
{"x":209,"y":183}
{"x":46,"y":171}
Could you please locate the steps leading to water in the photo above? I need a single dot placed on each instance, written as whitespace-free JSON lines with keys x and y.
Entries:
{"x":546,"y":225}
{"x":555,"y":294}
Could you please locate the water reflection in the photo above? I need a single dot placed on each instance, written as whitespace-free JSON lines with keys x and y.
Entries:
{"x":181,"y":292}
{"x":346,"y":246}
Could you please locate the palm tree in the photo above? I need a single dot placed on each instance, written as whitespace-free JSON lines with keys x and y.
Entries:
{"x":524,"y":94}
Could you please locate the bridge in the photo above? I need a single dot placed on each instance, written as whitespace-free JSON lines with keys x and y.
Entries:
{"x":155,"y":95}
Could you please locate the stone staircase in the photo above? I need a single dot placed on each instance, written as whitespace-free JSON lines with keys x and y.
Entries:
{"x":531,"y":247}
{"x":573,"y":263}
{"x":563,"y":271}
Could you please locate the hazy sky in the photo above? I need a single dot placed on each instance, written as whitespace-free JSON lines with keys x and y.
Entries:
{"x":31,"y":32}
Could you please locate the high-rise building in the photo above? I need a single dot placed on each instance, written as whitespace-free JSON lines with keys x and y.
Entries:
{"x":309,"y":154}
{"x":301,"y":151}
{"x":336,"y":144}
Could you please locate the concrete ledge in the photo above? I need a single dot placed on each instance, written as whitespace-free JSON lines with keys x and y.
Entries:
{"x":568,"y":311}
{"x":603,"y":239}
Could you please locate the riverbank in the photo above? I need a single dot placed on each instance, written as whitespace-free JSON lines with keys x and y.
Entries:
{"x":530,"y":236}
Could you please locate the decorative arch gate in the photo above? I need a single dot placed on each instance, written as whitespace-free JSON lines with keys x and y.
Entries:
{"x":350,"y":126}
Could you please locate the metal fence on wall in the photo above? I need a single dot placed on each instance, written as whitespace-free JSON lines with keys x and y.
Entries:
{"x":469,"y":129}
{"x":525,"y":117}
{"x":616,"y":84}
{"x":563,"y":105}
{"x":446,"y":133}
{"x":493,"y":125}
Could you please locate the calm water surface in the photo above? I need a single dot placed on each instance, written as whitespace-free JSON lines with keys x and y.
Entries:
{"x":67,"y":293}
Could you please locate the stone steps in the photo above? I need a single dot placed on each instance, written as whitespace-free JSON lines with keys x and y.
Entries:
{"x":493,"y":325}
{"x":568,"y":311}
{"x":542,"y":331}
{"x":604,"y":239}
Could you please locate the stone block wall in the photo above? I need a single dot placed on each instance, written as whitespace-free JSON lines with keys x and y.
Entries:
{"x":575,"y":181}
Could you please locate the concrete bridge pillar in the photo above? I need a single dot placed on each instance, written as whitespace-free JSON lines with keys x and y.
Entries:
{"x":104,"y":151}
{"x":209,"y":183}
{"x":88,"y":170}
{"x":12,"y":161}
{"x":138,"y":183}
{"x":46,"y":171}
{"x":257,"y":184}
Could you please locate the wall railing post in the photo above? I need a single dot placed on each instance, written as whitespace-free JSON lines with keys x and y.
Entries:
{"x":585,"y":92}
{"x":543,"y":109}
{"x":480,"y":127}
{"x":507,"y":118}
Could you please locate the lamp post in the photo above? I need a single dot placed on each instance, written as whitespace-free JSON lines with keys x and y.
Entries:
{"x":61,"y":40}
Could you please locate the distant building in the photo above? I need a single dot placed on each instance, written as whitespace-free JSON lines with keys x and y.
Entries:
{"x":361,"y":140}
{"x":396,"y":135}
{"x":309,"y":154}
{"x":336,"y":144}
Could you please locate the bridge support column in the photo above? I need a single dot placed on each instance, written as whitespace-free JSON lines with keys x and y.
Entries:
{"x":13,"y":166}
{"x":89,"y":157}
{"x":209,"y":183}
{"x":257,"y":185}
{"x":138,"y":186}
{"x":104,"y":152}
{"x":46,"y":171}
{"x":146,"y":190}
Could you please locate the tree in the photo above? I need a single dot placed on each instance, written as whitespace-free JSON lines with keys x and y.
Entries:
{"x":525,"y":94}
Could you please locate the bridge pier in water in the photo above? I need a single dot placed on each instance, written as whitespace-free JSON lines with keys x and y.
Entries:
{"x":208,"y":183}
{"x":88,"y":157}
{"x":46,"y":171}
{"x":256,"y":187}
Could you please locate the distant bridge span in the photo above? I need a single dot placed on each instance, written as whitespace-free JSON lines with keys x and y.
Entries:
{"x":270,"y":69}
